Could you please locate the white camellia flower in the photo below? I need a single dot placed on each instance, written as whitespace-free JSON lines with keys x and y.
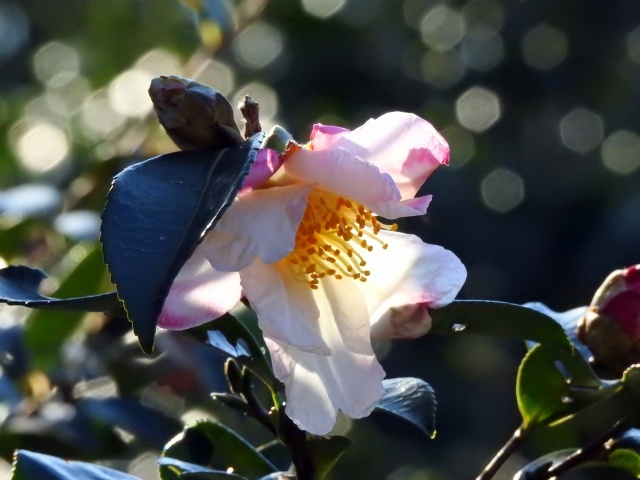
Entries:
{"x":302,"y":242}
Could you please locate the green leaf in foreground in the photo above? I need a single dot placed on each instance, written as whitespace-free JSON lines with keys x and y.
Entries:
{"x":325,"y":452}
{"x":31,"y":466}
{"x":157,"y":212}
{"x":19,"y":286}
{"x":196,"y":472}
{"x":46,"y":331}
{"x":553,"y":384}
{"x":232,"y":338}
{"x":412,"y":400}
{"x":215,"y":446}
{"x":480,"y":317}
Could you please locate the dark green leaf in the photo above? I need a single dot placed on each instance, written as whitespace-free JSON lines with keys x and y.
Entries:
{"x":629,"y":439}
{"x":631,"y":382}
{"x":46,"y":331}
{"x":213,"y":445}
{"x":145,"y":423}
{"x":30,"y":466}
{"x":218,"y":341}
{"x":279,"y":476}
{"x":156,"y":214}
{"x":411,"y":399}
{"x":19,"y":286}
{"x":586,"y":471}
{"x":325,"y":452}
{"x":625,"y":459}
{"x":231,"y":337}
{"x":479,"y":317}
{"x":568,"y":320}
{"x":543,"y":464}
{"x":196,"y":472}
{"x":552,"y":384}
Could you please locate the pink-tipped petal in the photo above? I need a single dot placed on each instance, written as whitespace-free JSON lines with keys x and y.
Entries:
{"x":285,"y":306}
{"x":409,"y":272}
{"x":337,"y":170}
{"x":401,"y":144}
{"x":318,"y":387}
{"x":267,"y":162}
{"x":262,"y":224}
{"x":199,"y":294}
{"x":324,"y":136}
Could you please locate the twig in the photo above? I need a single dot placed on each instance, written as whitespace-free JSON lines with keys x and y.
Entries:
{"x":505,"y":452}
{"x":589,"y":451}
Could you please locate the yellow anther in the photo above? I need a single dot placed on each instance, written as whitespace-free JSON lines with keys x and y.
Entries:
{"x":323,"y":244}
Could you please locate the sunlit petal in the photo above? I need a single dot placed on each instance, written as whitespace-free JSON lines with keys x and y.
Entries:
{"x":262,"y":224}
{"x":199,"y":294}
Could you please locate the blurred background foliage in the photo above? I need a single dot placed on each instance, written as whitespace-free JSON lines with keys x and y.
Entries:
{"x":538,"y":99}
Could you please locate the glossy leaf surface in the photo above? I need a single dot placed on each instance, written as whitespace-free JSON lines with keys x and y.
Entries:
{"x":480,"y":317}
{"x":211,"y":444}
{"x":552,"y":384}
{"x":19,"y":286}
{"x":30,"y":466}
{"x":412,"y":400}
{"x":157,"y":212}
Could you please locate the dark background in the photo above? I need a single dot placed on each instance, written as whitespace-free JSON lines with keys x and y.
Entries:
{"x":538,"y":99}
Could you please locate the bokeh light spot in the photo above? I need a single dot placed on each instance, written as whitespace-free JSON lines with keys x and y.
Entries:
{"x":159,"y":62}
{"x":442,"y":27}
{"x":621,"y":152}
{"x":485,"y":14}
{"x":462,"y":144}
{"x":258,"y":45}
{"x":442,"y":69}
{"x":633,"y":44}
{"x":211,"y":34}
{"x":502,"y":190}
{"x":98,"y":116}
{"x":128,"y":93}
{"x":216,"y":74}
{"x":65,"y":100}
{"x":544,"y":47}
{"x":56,"y":63}
{"x":482,"y":49}
{"x":323,"y":8}
{"x":79,"y":225}
{"x":477,"y":109}
{"x":581,"y":130}
{"x":40,"y":146}
{"x":14,"y":30}
{"x":30,"y":200}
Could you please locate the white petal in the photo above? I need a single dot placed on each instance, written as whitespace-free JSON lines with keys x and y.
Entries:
{"x":409,"y":272}
{"x":261,"y":223}
{"x":318,"y":387}
{"x":285,"y":306}
{"x":199,"y":294}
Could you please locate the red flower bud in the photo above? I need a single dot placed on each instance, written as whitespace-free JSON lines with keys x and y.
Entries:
{"x":611,"y":327}
{"x":194,"y":116}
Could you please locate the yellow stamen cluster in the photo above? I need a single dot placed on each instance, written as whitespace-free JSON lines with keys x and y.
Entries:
{"x":332,"y":238}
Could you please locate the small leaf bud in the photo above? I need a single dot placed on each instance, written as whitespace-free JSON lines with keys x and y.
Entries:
{"x":193,"y":115}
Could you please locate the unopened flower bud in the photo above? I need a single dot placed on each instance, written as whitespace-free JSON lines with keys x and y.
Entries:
{"x":611,"y":327}
{"x":194,"y":116}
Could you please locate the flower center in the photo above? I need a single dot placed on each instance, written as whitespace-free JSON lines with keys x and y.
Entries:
{"x":334,"y":234}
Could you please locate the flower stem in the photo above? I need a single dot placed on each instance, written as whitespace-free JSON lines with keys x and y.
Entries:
{"x":517,"y":439}
{"x":592,"y":450}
